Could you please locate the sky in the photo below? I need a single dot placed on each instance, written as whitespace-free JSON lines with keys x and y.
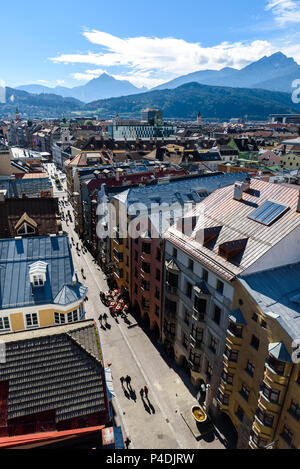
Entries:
{"x":69,"y":42}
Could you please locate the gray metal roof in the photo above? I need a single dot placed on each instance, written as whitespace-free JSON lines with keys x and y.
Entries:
{"x":16,"y":257}
{"x":55,"y":368}
{"x":221,"y":209}
{"x":31,"y":187}
{"x":180,"y":191}
{"x":276,"y":292}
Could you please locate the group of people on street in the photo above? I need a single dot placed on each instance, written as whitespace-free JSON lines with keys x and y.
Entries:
{"x":103,"y":317}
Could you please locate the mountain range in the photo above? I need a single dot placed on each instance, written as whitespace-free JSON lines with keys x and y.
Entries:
{"x":275,"y":73}
{"x":213,"y":102}
{"x":105,"y":86}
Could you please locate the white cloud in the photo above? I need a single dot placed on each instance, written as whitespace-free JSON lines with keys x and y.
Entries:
{"x":284,"y":11}
{"x":150,"y":61}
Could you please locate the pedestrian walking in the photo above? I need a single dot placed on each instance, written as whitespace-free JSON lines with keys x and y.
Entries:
{"x":122,"y":379}
{"x":105,"y":317}
{"x":128,"y":380}
{"x":142,"y":393}
{"x":127,"y":442}
{"x":146,"y":391}
{"x":100,"y":318}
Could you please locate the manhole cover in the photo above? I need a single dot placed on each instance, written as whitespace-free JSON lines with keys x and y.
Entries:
{"x":160,"y":436}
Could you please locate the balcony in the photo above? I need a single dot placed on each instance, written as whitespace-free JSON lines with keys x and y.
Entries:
{"x":195,"y":343}
{"x":195,"y":367}
{"x":198,"y":316}
{"x":170,"y":314}
{"x":171,"y":289}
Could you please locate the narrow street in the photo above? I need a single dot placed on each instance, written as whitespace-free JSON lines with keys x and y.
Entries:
{"x":157,"y":424}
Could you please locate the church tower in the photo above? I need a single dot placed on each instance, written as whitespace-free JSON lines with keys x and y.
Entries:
{"x":199,"y":118}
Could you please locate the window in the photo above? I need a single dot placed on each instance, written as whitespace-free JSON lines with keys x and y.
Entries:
{"x":209,"y":371}
{"x":240,"y":413}
{"x":223,"y":398}
{"x":145,"y":303}
{"x":255,"y":342}
{"x":200,"y":306}
{"x":271,"y":394}
{"x":231,"y":354}
{"x":195,"y":359}
{"x":191,"y":265}
{"x":294,"y":410}
{"x":250,"y":368}
{"x":187,"y":317}
{"x":146,"y":248}
{"x":172,"y":279}
{"x":157,"y":293}
{"x":38,"y":281}
{"x":235,"y":329}
{"x":135,"y":272}
{"x":157,"y":275}
{"x":263,"y":324}
{"x":73,"y":316}
{"x":197,"y":333}
{"x":189,"y":289}
{"x":217,"y":314}
{"x":205,"y":275}
{"x":244,"y":392}
{"x":220,"y":287}
{"x":31,"y":320}
{"x":158,"y":254}
{"x":174,"y":253}
{"x":4,"y":324}
{"x":145,"y":285}
{"x":135,"y":288}
{"x":146,"y":267}
{"x":185,"y":341}
{"x":287,"y":435}
{"x":213,"y":344}
{"x":255,"y":317}
{"x":259,"y":442}
{"x":227,"y":377}
{"x":136,"y":256}
{"x":265,"y":418}
{"x":156,"y":310}
{"x":276,"y":365}
{"x":26,"y":229}
{"x":170,"y":307}
{"x":59,"y":318}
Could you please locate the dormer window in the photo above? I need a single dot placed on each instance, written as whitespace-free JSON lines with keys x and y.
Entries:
{"x":37,"y":274}
{"x":25,"y":229}
{"x":26,"y":226}
{"x":38,"y":281}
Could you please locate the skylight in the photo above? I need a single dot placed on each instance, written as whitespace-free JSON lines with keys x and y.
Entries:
{"x":268,"y":212}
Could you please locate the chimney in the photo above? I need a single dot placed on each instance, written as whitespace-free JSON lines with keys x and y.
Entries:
{"x":238,"y":191}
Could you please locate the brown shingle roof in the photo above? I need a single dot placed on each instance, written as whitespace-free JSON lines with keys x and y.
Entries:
{"x":43,"y":212}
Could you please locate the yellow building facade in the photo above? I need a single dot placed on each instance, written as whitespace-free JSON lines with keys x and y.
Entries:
{"x":290,"y":161}
{"x":260,"y":384}
{"x":29,"y":318}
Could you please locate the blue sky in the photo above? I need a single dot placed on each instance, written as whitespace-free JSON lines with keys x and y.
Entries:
{"x":68,"y":42}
